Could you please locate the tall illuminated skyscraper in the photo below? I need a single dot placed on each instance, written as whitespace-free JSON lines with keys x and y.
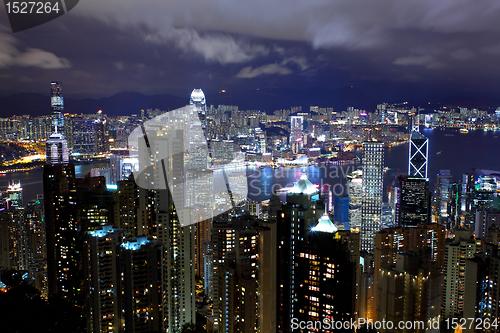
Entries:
{"x":371,"y":209}
{"x":56,"y":147}
{"x":57,"y":104}
{"x":296,"y":128}
{"x":418,"y":152}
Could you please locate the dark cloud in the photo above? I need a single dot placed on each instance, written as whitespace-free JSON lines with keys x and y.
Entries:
{"x":103,"y":47}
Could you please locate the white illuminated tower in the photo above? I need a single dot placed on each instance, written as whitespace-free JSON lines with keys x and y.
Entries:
{"x":56,"y":147}
{"x":371,"y":208}
{"x":57,"y":105}
{"x":418,"y":153}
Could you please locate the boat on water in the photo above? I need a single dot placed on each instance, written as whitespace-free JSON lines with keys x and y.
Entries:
{"x":464,"y":130}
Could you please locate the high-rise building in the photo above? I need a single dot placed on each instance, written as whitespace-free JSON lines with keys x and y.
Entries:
{"x":14,"y":250}
{"x":407,"y":292}
{"x":325,"y":277}
{"x":484,"y":220}
{"x":418,"y":152}
{"x":341,"y":209}
{"x":246,"y":277}
{"x":295,"y":220}
{"x":373,"y":171}
{"x":102,"y":278}
{"x":482,"y":295}
{"x":355,"y":183}
{"x":260,"y":140}
{"x":144,"y":303}
{"x":84,"y":136}
{"x":413,"y":204}
{"x":56,"y":149}
{"x":391,"y":242}
{"x":457,"y":252}
{"x":442,"y":196}
{"x":72,"y":206}
{"x":296,"y":129}
{"x":37,"y":265}
{"x":57,"y":104}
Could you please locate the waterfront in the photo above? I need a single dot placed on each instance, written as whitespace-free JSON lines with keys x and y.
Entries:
{"x":447,"y":150}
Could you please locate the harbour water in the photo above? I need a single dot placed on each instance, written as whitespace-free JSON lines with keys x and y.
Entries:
{"x":448,"y":149}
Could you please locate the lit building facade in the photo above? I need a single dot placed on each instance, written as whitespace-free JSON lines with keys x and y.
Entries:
{"x":414,"y":203}
{"x":418,"y":152}
{"x":355,"y":183}
{"x":373,"y":171}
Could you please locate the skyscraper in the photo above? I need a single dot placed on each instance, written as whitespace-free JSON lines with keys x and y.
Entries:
{"x":457,"y":252}
{"x":296,"y":129}
{"x":295,"y":221}
{"x":418,"y":152}
{"x":57,"y":104}
{"x":413,"y":202}
{"x":373,"y":171}
{"x":324,"y":277}
{"x":442,"y":196}
{"x":56,"y":149}
{"x":102,"y":276}
{"x":355,"y":182}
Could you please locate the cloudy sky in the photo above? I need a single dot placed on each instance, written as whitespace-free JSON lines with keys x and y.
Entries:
{"x":389,"y":49}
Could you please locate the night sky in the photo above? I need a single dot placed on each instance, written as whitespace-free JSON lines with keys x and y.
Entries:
{"x":388,"y":49}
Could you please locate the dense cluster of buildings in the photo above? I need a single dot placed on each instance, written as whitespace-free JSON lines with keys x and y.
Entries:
{"x":296,"y":264}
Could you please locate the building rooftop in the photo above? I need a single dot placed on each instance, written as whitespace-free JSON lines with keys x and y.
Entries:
{"x":303,"y":186}
{"x":325,"y":225}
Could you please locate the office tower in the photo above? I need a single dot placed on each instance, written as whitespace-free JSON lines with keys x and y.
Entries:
{"x":366,"y":295}
{"x":296,"y":129}
{"x":198,"y":152}
{"x":84,"y":136}
{"x":387,"y":215}
{"x":418,"y":152}
{"x":260,"y":140}
{"x":406,"y":292}
{"x":57,"y":104}
{"x":102,"y":279}
{"x":37,"y":266}
{"x":295,"y":219}
{"x":101,"y":134}
{"x":56,"y":149}
{"x":246,"y":278}
{"x":325,"y":277}
{"x":481,"y":296}
{"x":341,"y":209}
{"x":442,"y":196}
{"x":14,"y":251}
{"x":373,"y":170}
{"x":355,"y":183}
{"x":413,"y":207}
{"x":457,"y":252}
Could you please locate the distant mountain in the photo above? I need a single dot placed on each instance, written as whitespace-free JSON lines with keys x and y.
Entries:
{"x":124,"y":103}
{"x":270,"y":99}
